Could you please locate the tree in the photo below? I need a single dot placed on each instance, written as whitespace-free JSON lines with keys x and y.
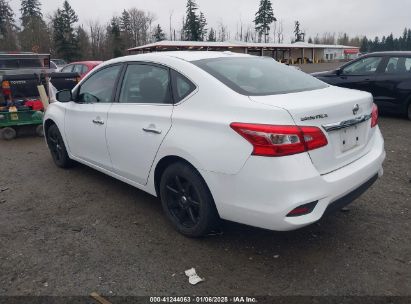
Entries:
{"x":114,"y":42}
{"x":35,"y":35}
{"x":30,"y":9}
{"x":202,"y":26}
{"x":364,"y":45}
{"x":8,"y":28}
{"x":264,"y":18}
{"x":193,"y":25}
{"x":64,"y":36}
{"x":84,"y":46}
{"x":299,"y":35}
{"x":126,"y":30}
{"x":140,"y":22}
{"x":159,"y":34}
{"x":211,"y":36}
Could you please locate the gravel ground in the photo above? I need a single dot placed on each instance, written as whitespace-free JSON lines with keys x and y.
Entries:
{"x":78,"y":231}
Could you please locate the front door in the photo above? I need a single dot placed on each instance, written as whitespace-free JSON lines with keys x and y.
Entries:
{"x":360,"y":75}
{"x":86,"y":117}
{"x":139,"y":121}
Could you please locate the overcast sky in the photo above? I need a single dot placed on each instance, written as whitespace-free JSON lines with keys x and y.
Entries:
{"x":356,"y":17}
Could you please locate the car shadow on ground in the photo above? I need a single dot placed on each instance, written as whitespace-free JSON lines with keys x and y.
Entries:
{"x":232,"y":234}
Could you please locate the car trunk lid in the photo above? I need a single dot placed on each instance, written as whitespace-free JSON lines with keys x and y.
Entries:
{"x":343,"y":115}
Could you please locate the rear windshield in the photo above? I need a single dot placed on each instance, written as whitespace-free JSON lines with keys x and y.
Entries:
{"x":258,"y":76}
{"x":21,"y":63}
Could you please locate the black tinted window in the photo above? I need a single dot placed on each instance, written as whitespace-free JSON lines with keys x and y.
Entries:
{"x":182,"y":87}
{"x":21,"y":63}
{"x":100,"y":86}
{"x":145,"y":83}
{"x":259,"y":76}
{"x":398,"y":65}
{"x":364,"y":66}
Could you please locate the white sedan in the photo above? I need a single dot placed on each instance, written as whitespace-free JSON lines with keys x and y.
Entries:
{"x":221,"y":136}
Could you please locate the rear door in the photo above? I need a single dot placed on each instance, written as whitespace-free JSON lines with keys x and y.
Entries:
{"x":392,"y":85}
{"x":86,"y":118}
{"x":139,"y":121}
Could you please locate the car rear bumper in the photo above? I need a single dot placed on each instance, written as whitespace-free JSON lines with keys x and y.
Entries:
{"x":267,"y":189}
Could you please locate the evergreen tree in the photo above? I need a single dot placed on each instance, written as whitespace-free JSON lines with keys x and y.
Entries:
{"x":159,"y":34}
{"x":30,"y":9}
{"x":264,"y":18}
{"x":364,"y":45}
{"x":8,"y":28}
{"x":310,"y":40}
{"x":115,"y":42}
{"x":34,"y":35}
{"x":299,"y":35}
{"x":192,"y":26}
{"x":211,"y":35}
{"x":64,"y":35}
{"x":84,"y":45}
{"x":202,"y":24}
{"x":126,"y":29}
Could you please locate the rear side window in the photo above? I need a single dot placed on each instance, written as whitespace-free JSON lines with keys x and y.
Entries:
{"x":257,"y":76}
{"x":398,"y":65}
{"x":182,"y":87}
{"x":78,"y":68}
{"x":100,"y":86}
{"x":67,"y":69}
{"x":145,"y":83}
{"x":84,"y":69}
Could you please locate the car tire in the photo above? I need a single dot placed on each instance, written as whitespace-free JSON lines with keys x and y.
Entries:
{"x":57,"y":148}
{"x":187,"y":201}
{"x":9,"y":133}
{"x":40,"y":131}
{"x":409,"y":111}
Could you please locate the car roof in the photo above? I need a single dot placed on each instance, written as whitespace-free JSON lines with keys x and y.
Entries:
{"x":182,"y":55}
{"x":87,"y":62}
{"x":392,"y":53}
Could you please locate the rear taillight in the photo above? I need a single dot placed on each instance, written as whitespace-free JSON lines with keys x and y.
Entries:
{"x":374,"y":116}
{"x":276,"y":141}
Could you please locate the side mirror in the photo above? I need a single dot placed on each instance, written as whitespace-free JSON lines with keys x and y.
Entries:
{"x":64,"y":96}
{"x":338,"y":72}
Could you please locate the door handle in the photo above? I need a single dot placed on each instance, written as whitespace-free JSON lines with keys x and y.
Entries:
{"x":152,"y":130}
{"x":98,"y":122}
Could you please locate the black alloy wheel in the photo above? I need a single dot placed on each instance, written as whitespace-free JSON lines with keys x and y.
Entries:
{"x":57,"y":148}
{"x":183,"y":201}
{"x":187,"y":201}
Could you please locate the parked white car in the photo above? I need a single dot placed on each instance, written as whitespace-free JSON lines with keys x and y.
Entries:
{"x":221,"y":136}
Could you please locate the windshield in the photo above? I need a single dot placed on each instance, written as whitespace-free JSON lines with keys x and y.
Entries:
{"x":258,"y":76}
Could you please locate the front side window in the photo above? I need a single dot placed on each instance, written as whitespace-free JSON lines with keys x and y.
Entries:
{"x":363,"y":66}
{"x":258,"y":76}
{"x":144,"y":83}
{"x":100,"y":86}
{"x":398,"y":65}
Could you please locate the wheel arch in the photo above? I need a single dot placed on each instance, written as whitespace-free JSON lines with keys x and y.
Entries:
{"x":47,"y":124}
{"x":162,"y":166}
